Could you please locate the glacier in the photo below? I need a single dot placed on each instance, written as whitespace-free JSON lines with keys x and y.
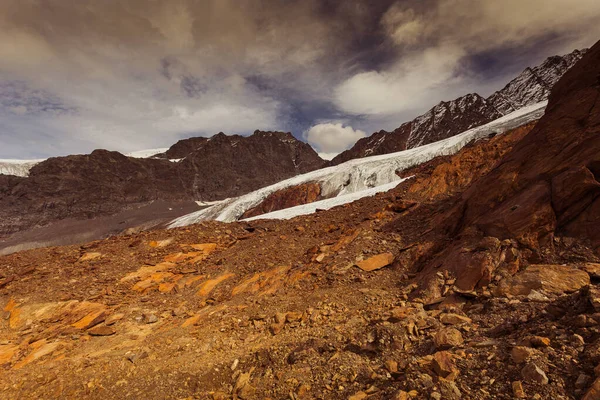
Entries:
{"x":17,"y":167}
{"x":22,"y":167}
{"x":358,"y":178}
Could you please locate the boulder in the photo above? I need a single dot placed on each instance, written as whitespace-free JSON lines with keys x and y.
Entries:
{"x":555,"y":279}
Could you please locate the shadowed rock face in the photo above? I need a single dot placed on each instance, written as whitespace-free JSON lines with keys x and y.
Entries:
{"x":105,"y":182}
{"x":453,"y":117}
{"x":286,"y":198}
{"x":545,"y":189}
{"x":549,"y":178}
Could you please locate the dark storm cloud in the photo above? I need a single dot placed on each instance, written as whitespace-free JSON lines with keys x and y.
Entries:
{"x":143,"y":73}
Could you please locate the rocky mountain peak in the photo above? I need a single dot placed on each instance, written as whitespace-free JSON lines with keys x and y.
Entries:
{"x":449,"y":118}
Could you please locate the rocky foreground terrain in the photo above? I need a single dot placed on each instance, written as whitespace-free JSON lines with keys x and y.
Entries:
{"x":476,"y":279}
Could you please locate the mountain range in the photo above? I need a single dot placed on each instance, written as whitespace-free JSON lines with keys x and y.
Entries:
{"x":449,"y":118}
{"x":105,"y":183}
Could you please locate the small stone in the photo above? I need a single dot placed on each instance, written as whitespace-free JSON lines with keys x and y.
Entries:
{"x":582,"y":381}
{"x":358,"y":396}
{"x":112,"y":319}
{"x":536,"y":296}
{"x":533,"y":373}
{"x":577,"y":340}
{"x":220,"y":396}
{"x":401,"y":395}
{"x":449,"y":390}
{"x":90,"y":256}
{"x":376,"y":262}
{"x":136,"y":356}
{"x":454,"y":319}
{"x":518,"y":391}
{"x":275,"y":328}
{"x":425,"y":380}
{"x":293,"y":316}
{"x":521,"y":354}
{"x":102,"y":331}
{"x":436,"y":396}
{"x":539,"y":341}
{"x":443,"y":365}
{"x":391,"y":366}
{"x":150,"y":318}
{"x":280,"y":318}
{"x":235,"y":364}
{"x":447,"y":338}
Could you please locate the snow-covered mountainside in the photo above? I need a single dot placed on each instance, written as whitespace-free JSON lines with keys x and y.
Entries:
{"x":450,"y":118}
{"x":533,"y":84}
{"x":360,"y":177}
{"x":17,"y":167}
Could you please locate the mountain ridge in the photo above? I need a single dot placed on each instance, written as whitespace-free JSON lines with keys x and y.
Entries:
{"x":449,"y":118}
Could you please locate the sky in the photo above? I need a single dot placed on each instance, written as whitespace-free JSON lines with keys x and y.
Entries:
{"x":126,"y":75}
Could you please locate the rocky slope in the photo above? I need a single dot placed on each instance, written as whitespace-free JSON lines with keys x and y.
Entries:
{"x":104,"y":182}
{"x":486,"y":291}
{"x":450,"y":118}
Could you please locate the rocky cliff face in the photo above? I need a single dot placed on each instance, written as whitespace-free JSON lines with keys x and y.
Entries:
{"x":453,"y":117}
{"x":104,"y":182}
{"x":534,"y":84}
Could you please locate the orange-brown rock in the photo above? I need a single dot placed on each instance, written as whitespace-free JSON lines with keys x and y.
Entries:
{"x":376,"y":262}
{"x":161,"y":243}
{"x":593,"y":269}
{"x":90,"y":256}
{"x":456,"y":172}
{"x":517,"y":198}
{"x":39,"y":349}
{"x":7,"y":352}
{"x":555,"y":279}
{"x":593,"y":393}
{"x":285,"y":198}
{"x":444,"y":366}
{"x":96,"y":315}
{"x":205,"y":288}
{"x":102,"y":331}
{"x":518,"y":390}
{"x":521,"y":354}
{"x":447,"y":338}
{"x":473,"y":266}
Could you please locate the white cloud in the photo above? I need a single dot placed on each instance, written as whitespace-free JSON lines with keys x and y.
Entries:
{"x":328,"y":156}
{"x":433,"y":44}
{"x":411,"y":83}
{"x":332,"y":137}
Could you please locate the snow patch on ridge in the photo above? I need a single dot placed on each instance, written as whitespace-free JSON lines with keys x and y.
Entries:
{"x":359,"y":176}
{"x":146,"y":153}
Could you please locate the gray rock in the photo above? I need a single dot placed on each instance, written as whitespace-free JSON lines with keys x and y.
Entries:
{"x":533,"y":373}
